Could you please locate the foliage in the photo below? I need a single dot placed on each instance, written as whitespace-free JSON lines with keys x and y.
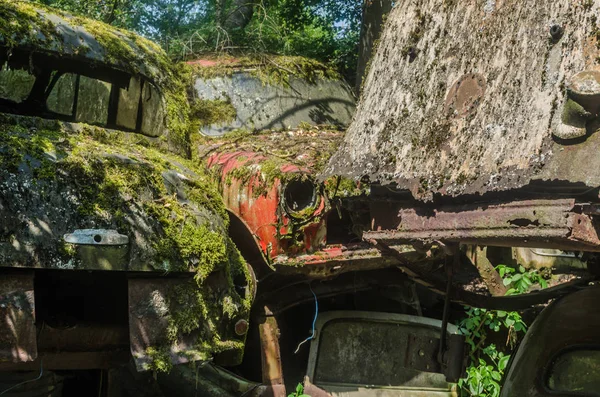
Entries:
{"x":487,"y":362}
{"x":325,"y":30}
{"x":299,"y":392}
{"x":115,"y":12}
{"x":520,"y":281}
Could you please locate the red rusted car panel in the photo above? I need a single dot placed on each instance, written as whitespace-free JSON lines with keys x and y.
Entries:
{"x":258,"y":203}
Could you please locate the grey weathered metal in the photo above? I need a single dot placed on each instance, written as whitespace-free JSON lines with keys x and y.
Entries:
{"x":260,"y":106}
{"x":568,"y":325}
{"x":471,"y":97}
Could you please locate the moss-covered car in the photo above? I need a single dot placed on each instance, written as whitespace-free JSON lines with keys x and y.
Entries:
{"x":112,"y":241}
{"x":160,"y":212}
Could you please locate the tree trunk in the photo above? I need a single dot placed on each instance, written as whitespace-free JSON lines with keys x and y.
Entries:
{"x":239,"y":14}
{"x":374,"y":12}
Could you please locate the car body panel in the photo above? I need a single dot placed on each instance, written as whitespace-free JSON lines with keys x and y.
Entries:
{"x":466,"y":98}
{"x":113,"y":202}
{"x":377,"y":354}
{"x":568,"y":324}
{"x":35,"y":26}
{"x":263,"y":106}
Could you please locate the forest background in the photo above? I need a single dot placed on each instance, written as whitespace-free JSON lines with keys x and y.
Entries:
{"x":338,"y":33}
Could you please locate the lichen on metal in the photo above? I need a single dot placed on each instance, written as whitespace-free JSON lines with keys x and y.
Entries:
{"x":472,"y":105}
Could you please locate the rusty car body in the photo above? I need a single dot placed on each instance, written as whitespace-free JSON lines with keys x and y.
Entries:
{"x":135,"y":228}
{"x":131,"y":245}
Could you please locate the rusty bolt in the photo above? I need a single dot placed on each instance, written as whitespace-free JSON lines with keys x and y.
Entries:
{"x":556,"y":32}
{"x":241,"y":327}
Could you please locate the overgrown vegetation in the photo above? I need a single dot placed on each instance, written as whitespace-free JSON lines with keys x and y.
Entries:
{"x":488,"y":360}
{"x":326,"y":30}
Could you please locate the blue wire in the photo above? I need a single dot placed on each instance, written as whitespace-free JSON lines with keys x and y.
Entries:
{"x":314,"y":324}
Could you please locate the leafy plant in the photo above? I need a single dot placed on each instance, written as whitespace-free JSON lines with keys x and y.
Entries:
{"x":299,"y":392}
{"x":487,"y":363}
{"x":520,"y":281}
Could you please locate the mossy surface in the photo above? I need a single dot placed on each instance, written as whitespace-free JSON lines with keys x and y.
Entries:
{"x":208,"y":112}
{"x":270,"y":69}
{"x":24,"y":24}
{"x":27,"y":26}
{"x":56,"y":178}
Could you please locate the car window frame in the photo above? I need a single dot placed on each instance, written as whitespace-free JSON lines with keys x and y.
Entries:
{"x":546,"y":374}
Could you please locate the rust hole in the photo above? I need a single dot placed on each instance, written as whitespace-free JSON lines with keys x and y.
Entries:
{"x":524,"y":222}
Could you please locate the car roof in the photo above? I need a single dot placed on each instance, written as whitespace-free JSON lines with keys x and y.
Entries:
{"x":43,"y":29}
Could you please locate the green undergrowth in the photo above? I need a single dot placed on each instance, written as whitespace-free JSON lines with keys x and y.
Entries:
{"x":487,"y":360}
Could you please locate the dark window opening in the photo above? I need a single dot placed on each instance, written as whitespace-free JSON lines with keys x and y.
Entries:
{"x":36,"y":84}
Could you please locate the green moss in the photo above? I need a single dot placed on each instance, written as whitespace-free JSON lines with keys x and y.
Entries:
{"x":436,"y":136}
{"x":21,"y":24}
{"x":160,"y":360}
{"x":574,"y":114}
{"x":270,"y":69}
{"x":339,"y":187}
{"x":209,"y":112}
{"x":113,"y":179}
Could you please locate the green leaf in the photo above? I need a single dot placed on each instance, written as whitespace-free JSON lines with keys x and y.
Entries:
{"x":521,"y":269}
{"x":502,"y":363}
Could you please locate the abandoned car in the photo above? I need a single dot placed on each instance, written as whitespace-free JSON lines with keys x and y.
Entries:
{"x":207,"y":228}
{"x":132,"y":243}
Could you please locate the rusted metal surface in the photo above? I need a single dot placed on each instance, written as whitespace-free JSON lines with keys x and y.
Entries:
{"x":464,"y":97}
{"x":259,"y":204}
{"x":17,"y":318}
{"x":510,"y":303}
{"x":272,"y":370}
{"x":478,"y":256}
{"x":532,"y":223}
{"x":338,"y":259}
{"x":566,"y":325}
{"x":313,"y":390}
